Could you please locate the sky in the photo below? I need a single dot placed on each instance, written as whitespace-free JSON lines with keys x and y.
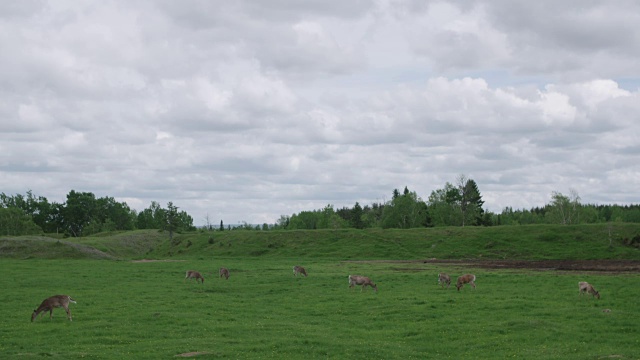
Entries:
{"x":243,"y":111}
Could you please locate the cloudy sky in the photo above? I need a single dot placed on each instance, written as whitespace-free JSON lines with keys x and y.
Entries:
{"x":248,"y":110}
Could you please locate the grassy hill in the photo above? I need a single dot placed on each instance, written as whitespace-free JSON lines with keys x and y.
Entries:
{"x":534,"y":242}
{"x":109,"y":246}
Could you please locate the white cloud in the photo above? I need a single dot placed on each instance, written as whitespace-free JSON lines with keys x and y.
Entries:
{"x":249,"y":110}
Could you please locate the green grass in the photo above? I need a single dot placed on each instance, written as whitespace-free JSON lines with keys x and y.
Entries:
{"x":145,"y":310}
{"x":535,"y":242}
{"x":116,"y":245}
{"x":504,"y":242}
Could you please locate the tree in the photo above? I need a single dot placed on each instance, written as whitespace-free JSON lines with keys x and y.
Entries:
{"x":458,"y":205}
{"x":283,"y":222}
{"x":305,"y":220}
{"x":405,"y":211}
{"x":328,"y":219}
{"x":564,"y":209}
{"x":173,"y":220}
{"x":372,"y":215}
{"x":113,"y":215}
{"x":78,"y":212}
{"x":208,"y":222}
{"x":470,"y":201}
{"x":38,"y":208}
{"x":356,"y":216}
{"x":153,"y":217}
{"x":14,"y":222}
{"x":221,"y":226}
{"x":443,"y":206}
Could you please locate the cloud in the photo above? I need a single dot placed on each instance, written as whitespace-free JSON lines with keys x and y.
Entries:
{"x":249,"y":110}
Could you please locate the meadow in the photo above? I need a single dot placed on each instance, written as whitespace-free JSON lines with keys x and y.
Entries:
{"x":145,"y":309}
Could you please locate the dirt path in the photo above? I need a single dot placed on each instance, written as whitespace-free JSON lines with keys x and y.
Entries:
{"x":611,"y":266}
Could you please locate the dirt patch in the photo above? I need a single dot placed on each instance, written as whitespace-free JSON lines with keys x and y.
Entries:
{"x":606,"y":266}
{"x":152,"y":260}
{"x":614,"y":266}
{"x":192,"y":354}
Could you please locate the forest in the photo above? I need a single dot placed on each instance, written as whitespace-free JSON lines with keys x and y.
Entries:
{"x":83,"y":214}
{"x":459,"y":204}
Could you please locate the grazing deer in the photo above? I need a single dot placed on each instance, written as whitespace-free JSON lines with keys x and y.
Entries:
{"x":192,"y":274}
{"x":585,"y":287}
{"x":466,"y":279}
{"x":53,"y":302}
{"x":299,"y":270}
{"x":361,"y":280}
{"x":444,"y":279}
{"x":224,"y":272}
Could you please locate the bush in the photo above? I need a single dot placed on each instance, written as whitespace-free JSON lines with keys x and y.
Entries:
{"x":634,"y":241}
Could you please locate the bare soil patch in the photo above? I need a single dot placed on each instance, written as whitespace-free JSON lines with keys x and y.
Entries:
{"x":606,"y":266}
{"x":192,"y":354}
{"x":614,"y":266}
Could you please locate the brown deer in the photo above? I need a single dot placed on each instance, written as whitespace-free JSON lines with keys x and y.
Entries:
{"x":585,"y":287}
{"x":299,"y":270}
{"x":444,"y":279}
{"x":466,"y":279}
{"x":53,"y":302}
{"x":224,"y":272}
{"x":361,"y":280}
{"x":192,"y":274}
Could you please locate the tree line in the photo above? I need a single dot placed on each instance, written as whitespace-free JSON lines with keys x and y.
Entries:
{"x":456,"y":204}
{"x":84,"y":214}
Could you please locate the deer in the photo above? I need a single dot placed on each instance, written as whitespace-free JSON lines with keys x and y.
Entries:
{"x":361,"y":280}
{"x":299,"y":270}
{"x":192,"y":274}
{"x":444,"y":279}
{"x":466,"y":279}
{"x":224,"y":272}
{"x":52,"y":302}
{"x":585,"y":287}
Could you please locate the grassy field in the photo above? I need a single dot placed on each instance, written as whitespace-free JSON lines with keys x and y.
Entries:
{"x":504,"y":242}
{"x":145,"y":310}
{"x":536,"y":242}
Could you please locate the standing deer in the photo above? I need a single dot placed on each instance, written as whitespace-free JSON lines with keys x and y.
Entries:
{"x":53,"y":302}
{"x":585,"y":287}
{"x":299,"y":270}
{"x":466,"y":279}
{"x":224,"y":272}
{"x":361,"y":280}
{"x":192,"y":274}
{"x":444,"y":279}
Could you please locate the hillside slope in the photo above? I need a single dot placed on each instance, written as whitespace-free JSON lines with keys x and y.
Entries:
{"x":534,"y":242}
{"x":108,"y":246}
{"x":25,"y":247}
